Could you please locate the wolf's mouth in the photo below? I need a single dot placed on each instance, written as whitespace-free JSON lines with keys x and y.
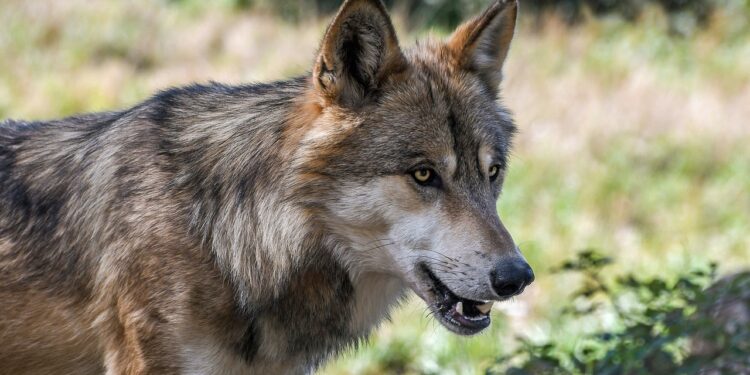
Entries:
{"x":460,"y":315}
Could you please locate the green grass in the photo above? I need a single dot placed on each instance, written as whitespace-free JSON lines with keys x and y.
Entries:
{"x":631,"y":141}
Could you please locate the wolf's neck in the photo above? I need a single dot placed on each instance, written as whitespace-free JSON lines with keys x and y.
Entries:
{"x":235,"y":173}
{"x":375,"y":296}
{"x":225,"y":144}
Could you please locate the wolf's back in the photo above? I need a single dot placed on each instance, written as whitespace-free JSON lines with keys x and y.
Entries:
{"x":49,"y":172}
{"x":44,"y":268}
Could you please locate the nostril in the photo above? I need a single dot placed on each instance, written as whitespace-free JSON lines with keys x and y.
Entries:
{"x":511,"y":277}
{"x":508,"y":289}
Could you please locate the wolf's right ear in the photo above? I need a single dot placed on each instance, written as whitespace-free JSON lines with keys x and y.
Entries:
{"x":359,"y":51}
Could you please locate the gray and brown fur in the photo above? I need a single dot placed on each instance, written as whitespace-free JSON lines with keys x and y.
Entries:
{"x":259,"y":228}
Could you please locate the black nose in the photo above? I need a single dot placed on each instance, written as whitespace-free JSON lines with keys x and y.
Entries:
{"x":510,"y":277}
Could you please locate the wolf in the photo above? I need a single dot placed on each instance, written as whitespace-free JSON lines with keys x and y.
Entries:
{"x":263,"y":228}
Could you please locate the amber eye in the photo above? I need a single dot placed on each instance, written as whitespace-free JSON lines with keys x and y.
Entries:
{"x":494,"y":172}
{"x":423,"y":175}
{"x":427,"y":177}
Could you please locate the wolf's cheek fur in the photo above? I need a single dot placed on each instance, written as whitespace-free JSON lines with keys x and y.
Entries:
{"x":362,"y":215}
{"x":393,"y":230}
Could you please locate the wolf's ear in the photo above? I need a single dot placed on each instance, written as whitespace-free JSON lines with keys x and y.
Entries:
{"x":359,"y":51}
{"x":481,"y":45}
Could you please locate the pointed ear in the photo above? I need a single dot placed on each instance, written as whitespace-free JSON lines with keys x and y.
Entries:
{"x":481,"y":45}
{"x":359,"y":51}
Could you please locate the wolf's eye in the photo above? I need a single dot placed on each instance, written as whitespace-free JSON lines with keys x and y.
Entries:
{"x":494,"y":172}
{"x":423,"y":175}
{"x":426,"y":177}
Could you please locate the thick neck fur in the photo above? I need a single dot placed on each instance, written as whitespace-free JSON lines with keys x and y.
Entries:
{"x":251,"y":199}
{"x":228,"y":170}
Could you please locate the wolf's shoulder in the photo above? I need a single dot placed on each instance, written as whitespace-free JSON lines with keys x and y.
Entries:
{"x":213,"y":99}
{"x":215,"y":90}
{"x":12,"y":130}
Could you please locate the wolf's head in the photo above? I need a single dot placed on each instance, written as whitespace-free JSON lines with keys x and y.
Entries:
{"x":409,"y":151}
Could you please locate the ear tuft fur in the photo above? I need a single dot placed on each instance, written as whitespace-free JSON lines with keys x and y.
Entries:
{"x":482,"y":44}
{"x":360,"y":49}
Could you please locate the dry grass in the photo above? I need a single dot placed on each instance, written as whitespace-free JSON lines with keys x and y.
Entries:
{"x":631,"y":142}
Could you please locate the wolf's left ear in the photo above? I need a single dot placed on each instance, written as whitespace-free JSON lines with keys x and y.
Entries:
{"x":359,"y":51}
{"x":481,"y":45}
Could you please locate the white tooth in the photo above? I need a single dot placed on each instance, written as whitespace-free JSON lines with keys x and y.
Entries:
{"x":460,"y":308}
{"x":486,"y":307}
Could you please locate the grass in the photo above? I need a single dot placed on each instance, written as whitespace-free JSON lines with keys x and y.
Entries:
{"x":631,"y":142}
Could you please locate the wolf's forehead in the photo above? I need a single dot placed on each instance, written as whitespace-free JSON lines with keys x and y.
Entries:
{"x":453,"y":111}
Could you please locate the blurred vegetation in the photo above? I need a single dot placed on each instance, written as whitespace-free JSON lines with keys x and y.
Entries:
{"x":660,"y":325}
{"x":684,"y":15}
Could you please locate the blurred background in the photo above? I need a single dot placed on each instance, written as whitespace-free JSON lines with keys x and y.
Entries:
{"x":634,"y":139}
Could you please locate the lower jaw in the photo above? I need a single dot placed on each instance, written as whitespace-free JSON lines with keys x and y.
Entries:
{"x":461,"y":329}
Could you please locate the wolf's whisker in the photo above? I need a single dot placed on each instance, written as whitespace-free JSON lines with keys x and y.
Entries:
{"x":441,"y":254}
{"x":426,"y":257}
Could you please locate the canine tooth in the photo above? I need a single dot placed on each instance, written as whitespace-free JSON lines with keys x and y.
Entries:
{"x":460,"y":308}
{"x":486,"y":307}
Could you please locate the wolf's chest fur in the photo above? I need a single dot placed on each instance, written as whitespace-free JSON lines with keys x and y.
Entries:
{"x":322,"y":313}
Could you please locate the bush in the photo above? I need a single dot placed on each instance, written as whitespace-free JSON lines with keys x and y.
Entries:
{"x":665,"y":326}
